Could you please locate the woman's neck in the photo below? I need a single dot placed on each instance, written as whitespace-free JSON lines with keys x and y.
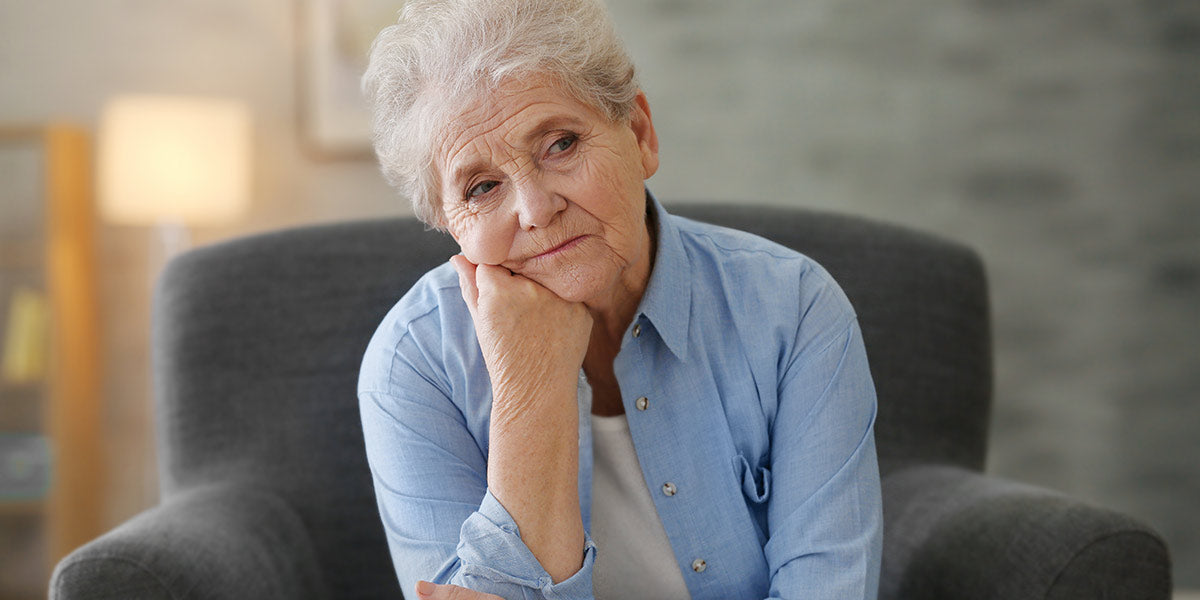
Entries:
{"x":609,"y":324}
{"x":615,"y":312}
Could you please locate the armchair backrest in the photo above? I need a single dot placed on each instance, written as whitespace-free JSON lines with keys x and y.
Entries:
{"x":922,"y":302}
{"x":257,"y":344}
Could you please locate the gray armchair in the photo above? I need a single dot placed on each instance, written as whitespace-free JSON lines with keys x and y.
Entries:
{"x":265,"y":486}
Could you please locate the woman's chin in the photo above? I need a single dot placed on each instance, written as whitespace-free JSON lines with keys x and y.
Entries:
{"x":571,"y":291}
{"x":573,"y":287}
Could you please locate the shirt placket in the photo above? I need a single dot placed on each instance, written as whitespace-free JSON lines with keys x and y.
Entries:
{"x":658,"y":421}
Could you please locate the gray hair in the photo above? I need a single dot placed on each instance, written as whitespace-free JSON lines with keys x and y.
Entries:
{"x":442,"y":55}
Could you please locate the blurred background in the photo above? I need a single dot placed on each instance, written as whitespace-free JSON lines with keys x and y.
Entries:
{"x":1061,"y":139}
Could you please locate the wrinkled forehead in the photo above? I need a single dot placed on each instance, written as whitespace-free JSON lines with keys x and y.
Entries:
{"x":508,"y":116}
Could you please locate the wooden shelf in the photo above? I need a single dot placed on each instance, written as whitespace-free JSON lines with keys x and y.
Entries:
{"x":20,"y":255}
{"x":22,"y":508}
{"x":57,"y":259}
{"x":21,"y":389}
{"x":21,"y":410}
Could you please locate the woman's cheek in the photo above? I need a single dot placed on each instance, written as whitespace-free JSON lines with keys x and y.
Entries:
{"x":484,"y":245}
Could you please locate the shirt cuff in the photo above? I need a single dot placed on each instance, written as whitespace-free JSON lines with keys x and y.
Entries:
{"x":494,"y":559}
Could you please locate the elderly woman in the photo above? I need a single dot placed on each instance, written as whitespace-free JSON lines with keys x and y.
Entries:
{"x":596,"y":398}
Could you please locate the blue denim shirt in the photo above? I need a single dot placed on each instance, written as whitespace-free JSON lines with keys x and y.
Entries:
{"x":755,"y":437}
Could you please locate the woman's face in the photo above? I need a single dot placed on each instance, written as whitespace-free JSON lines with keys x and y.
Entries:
{"x":543,"y":185}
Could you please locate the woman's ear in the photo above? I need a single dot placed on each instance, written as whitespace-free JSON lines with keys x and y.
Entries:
{"x":643,"y":129}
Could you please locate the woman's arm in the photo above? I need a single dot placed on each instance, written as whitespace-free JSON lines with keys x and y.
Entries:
{"x":430,"y":462}
{"x":533,"y":343}
{"x":433,"y":591}
{"x":825,"y":510}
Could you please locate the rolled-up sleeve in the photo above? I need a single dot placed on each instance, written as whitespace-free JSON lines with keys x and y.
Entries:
{"x":490,"y":533}
{"x":825,"y":516}
{"x":442,"y":525}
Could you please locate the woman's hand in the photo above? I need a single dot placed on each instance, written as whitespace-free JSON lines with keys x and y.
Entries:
{"x":433,"y":591}
{"x":533,"y":341}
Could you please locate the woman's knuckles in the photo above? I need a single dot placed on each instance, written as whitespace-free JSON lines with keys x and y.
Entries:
{"x":518,"y":296}
{"x":524,"y":327}
{"x":451,"y":592}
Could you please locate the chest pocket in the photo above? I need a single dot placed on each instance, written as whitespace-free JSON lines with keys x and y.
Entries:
{"x":756,"y":482}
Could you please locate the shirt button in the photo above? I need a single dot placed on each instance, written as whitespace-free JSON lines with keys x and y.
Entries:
{"x":699,"y":565}
{"x":668,"y":489}
{"x":637,"y":329}
{"x":642,"y":403}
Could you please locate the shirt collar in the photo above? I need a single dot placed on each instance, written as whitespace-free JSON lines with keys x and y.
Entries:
{"x":667,"y":302}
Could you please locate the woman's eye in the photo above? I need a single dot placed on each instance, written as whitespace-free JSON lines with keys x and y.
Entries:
{"x":562,"y":145}
{"x":481,"y":189}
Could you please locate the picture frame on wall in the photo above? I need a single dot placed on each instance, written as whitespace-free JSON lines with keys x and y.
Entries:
{"x":335,"y":39}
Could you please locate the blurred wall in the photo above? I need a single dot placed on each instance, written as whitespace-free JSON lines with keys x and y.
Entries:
{"x":1061,"y":139}
{"x":62,"y":59}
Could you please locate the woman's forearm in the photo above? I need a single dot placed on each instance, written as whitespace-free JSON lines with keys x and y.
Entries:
{"x":533,"y":343}
{"x":533,"y":470}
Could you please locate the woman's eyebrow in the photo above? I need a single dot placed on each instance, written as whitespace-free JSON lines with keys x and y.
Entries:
{"x":551,"y":123}
{"x":463,"y":170}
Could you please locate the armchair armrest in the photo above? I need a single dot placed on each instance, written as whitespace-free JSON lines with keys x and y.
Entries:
{"x":953,"y":533}
{"x":215,"y":542}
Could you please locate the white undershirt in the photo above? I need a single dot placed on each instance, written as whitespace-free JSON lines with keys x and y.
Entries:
{"x":633,"y":556}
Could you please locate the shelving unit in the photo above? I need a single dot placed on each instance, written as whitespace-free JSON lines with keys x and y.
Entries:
{"x":51,"y":462}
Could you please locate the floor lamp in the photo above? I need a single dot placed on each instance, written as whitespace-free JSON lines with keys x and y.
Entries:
{"x":170,"y":163}
{"x":174,"y":162}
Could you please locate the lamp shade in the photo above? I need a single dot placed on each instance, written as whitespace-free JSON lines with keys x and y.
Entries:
{"x":169,"y":159}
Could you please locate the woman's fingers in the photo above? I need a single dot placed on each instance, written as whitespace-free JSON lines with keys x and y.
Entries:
{"x":433,"y":591}
{"x":494,"y":277}
{"x":466,"y":280}
{"x":532,"y":340}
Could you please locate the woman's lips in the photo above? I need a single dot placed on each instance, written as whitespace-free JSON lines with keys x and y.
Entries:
{"x":563,"y":247}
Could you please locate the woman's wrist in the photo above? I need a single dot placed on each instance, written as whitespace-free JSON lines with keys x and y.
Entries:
{"x":535,"y":400}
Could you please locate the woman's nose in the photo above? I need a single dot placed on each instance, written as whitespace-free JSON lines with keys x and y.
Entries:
{"x":536,"y":205}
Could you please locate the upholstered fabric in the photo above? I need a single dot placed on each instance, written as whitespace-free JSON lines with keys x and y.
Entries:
{"x":923,"y":307}
{"x":209,"y":542}
{"x":951,"y":533}
{"x":267,"y":494}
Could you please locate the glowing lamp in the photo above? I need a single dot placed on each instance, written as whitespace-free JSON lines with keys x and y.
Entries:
{"x":169,"y":160}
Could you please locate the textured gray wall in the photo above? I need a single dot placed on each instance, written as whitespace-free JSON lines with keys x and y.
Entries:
{"x":1061,"y":138}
